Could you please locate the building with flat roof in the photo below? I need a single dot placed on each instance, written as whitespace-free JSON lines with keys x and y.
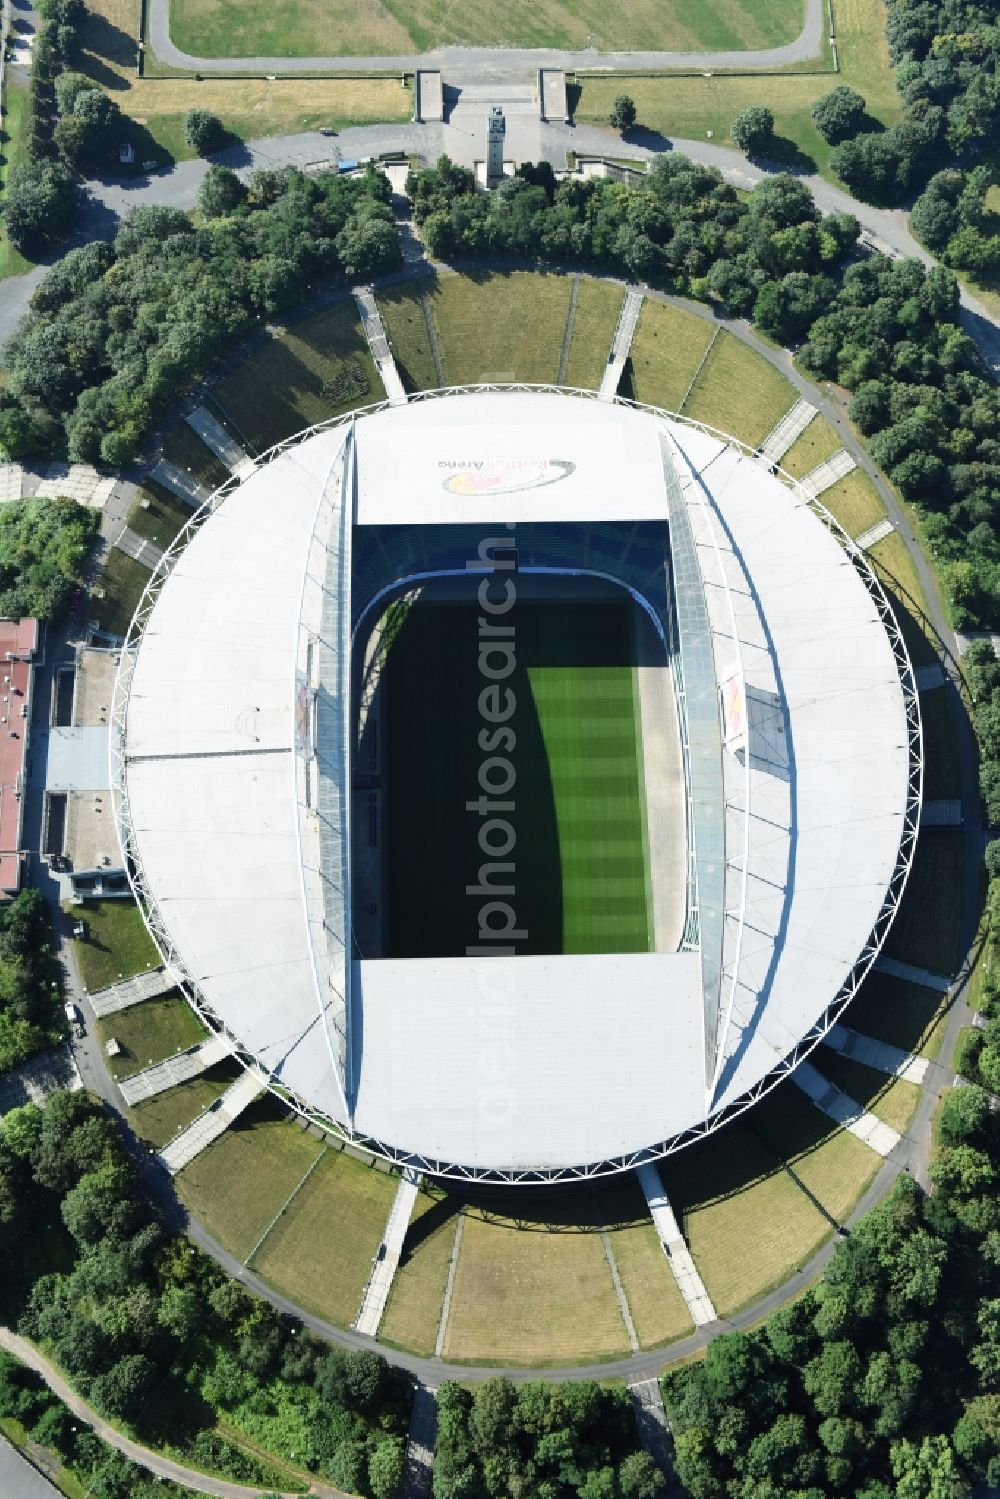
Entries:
{"x":779,"y":733}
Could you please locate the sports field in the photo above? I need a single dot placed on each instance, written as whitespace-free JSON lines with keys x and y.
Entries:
{"x":324,"y":28}
{"x":578,"y":818}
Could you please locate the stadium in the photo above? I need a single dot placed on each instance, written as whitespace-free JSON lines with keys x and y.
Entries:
{"x":522,"y":783}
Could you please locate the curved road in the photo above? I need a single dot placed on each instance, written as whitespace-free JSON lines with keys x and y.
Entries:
{"x":108,"y":202}
{"x":490,"y":62}
{"x":154,"y":1462}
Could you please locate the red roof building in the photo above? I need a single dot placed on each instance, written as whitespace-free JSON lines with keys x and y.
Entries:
{"x":19,"y":644}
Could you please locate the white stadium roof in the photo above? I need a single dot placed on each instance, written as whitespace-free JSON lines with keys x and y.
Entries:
{"x":542,"y":1065}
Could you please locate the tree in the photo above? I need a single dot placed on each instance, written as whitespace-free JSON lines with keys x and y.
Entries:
{"x":220,"y":192}
{"x":386,"y":1466}
{"x":977,"y":1437}
{"x":203,"y":131}
{"x":839,"y":114}
{"x":639,"y":1477}
{"x":623,"y":113}
{"x":39,"y":206}
{"x":753,"y":129}
{"x":927,"y":1471}
{"x":965,"y":1116}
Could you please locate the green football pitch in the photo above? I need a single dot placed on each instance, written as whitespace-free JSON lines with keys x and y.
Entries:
{"x":580,"y":877}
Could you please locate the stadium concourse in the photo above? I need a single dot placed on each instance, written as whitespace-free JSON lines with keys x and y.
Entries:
{"x":758,"y":782}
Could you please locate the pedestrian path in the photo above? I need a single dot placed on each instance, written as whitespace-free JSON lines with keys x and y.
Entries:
{"x":844,"y":1110}
{"x":651,"y":1423}
{"x":621,"y":344}
{"x":131,"y":991}
{"x":173,"y":1070}
{"x":387,"y":1259}
{"x":220,"y":442}
{"x":420,"y":1443}
{"x":139,"y":548}
{"x":913,"y":975}
{"x":892,"y":1060}
{"x":930,"y":676}
{"x":180,"y":483}
{"x":378,"y":343}
{"x":826,"y":474}
{"x":878,"y":532}
{"x":690,"y":1283}
{"x":942,"y":812}
{"x":213,"y":1122}
{"x":791,"y":426}
{"x":11,"y":478}
{"x":75,"y":481}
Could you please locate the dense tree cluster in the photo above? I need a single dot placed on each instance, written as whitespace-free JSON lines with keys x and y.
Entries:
{"x":885,"y":1380}
{"x":888,"y":331}
{"x":43,"y":549}
{"x":41,"y":197}
{"x":539,"y":1441}
{"x":30,"y":997}
{"x":117,"y":332}
{"x":134,"y":1313}
{"x":952,"y":219}
{"x":98,"y":1469}
{"x":891,"y":335}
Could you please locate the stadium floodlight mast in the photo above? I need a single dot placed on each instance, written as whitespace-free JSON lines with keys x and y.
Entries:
{"x":799,"y":733}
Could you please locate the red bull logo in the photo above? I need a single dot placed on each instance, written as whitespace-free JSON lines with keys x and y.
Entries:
{"x":504,"y":475}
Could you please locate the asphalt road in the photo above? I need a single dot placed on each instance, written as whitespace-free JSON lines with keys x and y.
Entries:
{"x":475,"y":63}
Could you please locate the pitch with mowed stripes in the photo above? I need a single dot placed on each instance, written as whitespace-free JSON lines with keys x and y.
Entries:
{"x":576,"y":804}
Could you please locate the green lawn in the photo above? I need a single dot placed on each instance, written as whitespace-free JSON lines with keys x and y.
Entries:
{"x":598,"y":304}
{"x":508,"y":325}
{"x":904,"y":1014}
{"x":316,"y":28}
{"x":854,"y":501}
{"x":406,"y":327}
{"x":738,"y":391}
{"x":116,"y":943}
{"x":818,"y":442}
{"x":927,"y":928}
{"x":320,"y":1251}
{"x":317,"y":370}
{"x":581,"y":883}
{"x":668,"y":346}
{"x":185,"y":449}
{"x":413,"y":1311}
{"x":942,"y":774}
{"x":243,"y":1179}
{"x":12,"y":263}
{"x":159,"y":1119}
{"x":535,"y":1294}
{"x":122,"y":581}
{"x":699,"y":108}
{"x":150,"y":1032}
{"x":160,"y":519}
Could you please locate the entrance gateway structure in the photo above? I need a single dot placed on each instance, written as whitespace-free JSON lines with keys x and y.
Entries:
{"x":797,"y":776}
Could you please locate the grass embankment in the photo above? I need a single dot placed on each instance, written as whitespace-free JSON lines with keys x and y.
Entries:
{"x":161,"y":516}
{"x":696,"y":107}
{"x":739,"y":391}
{"x":316,"y":370}
{"x":244,"y":1178}
{"x":116,"y":944}
{"x":818,"y":442}
{"x":413,"y":1311}
{"x":508,"y":325}
{"x":122,"y":582}
{"x":598,"y":304}
{"x":15,"y":119}
{"x":150,"y":1032}
{"x":406,"y":328}
{"x":758,"y":1199}
{"x":318,"y":28}
{"x":320,"y":1251}
{"x":250,"y":108}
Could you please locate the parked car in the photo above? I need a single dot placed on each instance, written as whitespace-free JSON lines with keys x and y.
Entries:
{"x":75,"y":1017}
